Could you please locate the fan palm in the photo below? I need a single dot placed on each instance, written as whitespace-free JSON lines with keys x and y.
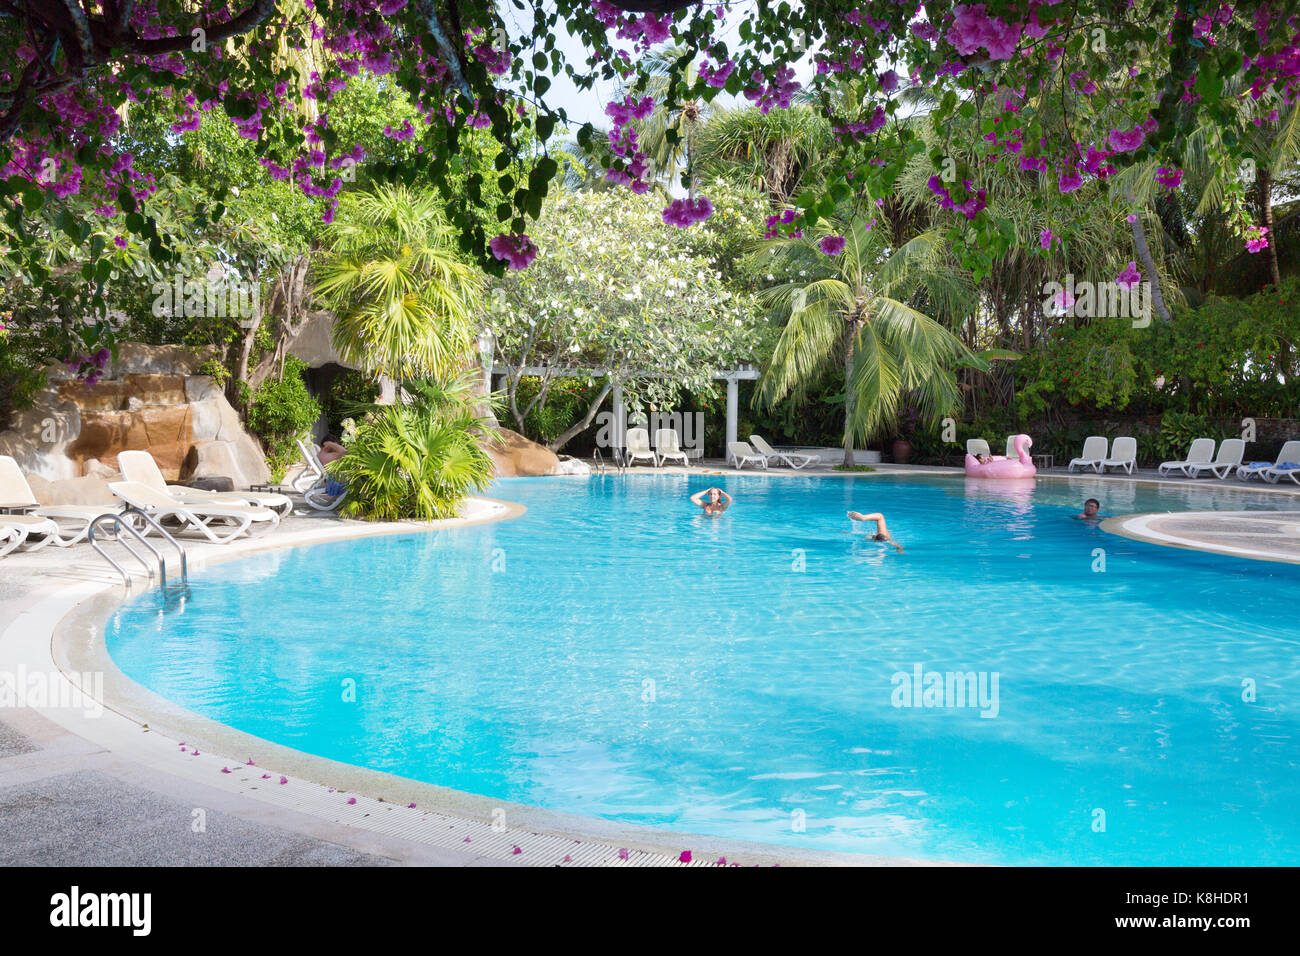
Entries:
{"x":858,"y":307}
{"x":775,"y":152}
{"x":417,"y":459}
{"x":400,"y":295}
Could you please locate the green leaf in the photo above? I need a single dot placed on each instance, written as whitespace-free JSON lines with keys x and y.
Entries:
{"x":126,"y":200}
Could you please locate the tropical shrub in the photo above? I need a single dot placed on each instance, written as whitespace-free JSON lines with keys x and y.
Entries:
{"x":20,"y":379}
{"x":415,"y":460}
{"x":1177,"y":431}
{"x":282,"y":410}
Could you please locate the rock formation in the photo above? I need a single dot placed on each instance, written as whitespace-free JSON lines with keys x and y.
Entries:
{"x":151,"y":399}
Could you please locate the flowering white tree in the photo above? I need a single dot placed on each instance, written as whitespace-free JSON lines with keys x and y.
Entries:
{"x":620,"y":295}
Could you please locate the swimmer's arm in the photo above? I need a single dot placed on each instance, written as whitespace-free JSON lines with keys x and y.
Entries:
{"x":725,"y":495}
{"x":875,"y":516}
{"x":698,"y":497}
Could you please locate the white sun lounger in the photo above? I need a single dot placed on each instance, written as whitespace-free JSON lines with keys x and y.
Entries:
{"x":668,"y":446}
{"x":976,"y":447}
{"x":72,"y":522}
{"x":1255,"y":469}
{"x":1123,"y":454}
{"x":17,"y":529}
{"x":1290,"y":453}
{"x":792,"y":459}
{"x":1199,"y":455}
{"x":638,"y":447}
{"x":1225,"y":462}
{"x":312,"y":480}
{"x":140,"y":466}
{"x":1094,"y":453}
{"x":197,"y":516}
{"x":10,"y":538}
{"x":739,"y":452}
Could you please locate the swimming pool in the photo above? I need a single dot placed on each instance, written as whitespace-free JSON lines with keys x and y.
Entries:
{"x":613,"y":653}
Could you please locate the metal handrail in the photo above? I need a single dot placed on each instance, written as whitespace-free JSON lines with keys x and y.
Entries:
{"x":119,"y":520}
{"x":599,"y":459}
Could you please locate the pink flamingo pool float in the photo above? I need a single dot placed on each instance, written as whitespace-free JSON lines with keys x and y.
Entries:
{"x":1022,"y":466}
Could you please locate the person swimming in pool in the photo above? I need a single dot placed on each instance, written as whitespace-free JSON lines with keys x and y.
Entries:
{"x":1091,"y":511}
{"x":882,"y":530}
{"x":718,"y":501}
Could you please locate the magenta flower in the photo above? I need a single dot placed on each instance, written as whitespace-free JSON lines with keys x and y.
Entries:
{"x":1045,"y":238}
{"x":622,"y":853}
{"x":685,"y":212}
{"x":1131,"y":218}
{"x":1256,"y":242}
{"x":284,"y":780}
{"x":1070,"y":181}
{"x":516,"y":851}
{"x":832,"y":245}
{"x":1169,"y":178}
{"x":1129,"y":277}
{"x":518,"y":251}
{"x":352,"y":801}
{"x":1126,"y":142}
{"x":685,"y":857}
{"x":888,"y":81}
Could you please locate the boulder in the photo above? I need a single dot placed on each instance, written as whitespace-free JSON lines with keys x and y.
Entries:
{"x":75,"y":491}
{"x":139,"y":358}
{"x":215,"y":419}
{"x":213,"y":459}
{"x":38,"y":437}
{"x":94,"y":468}
{"x":517,"y":457}
{"x":164,"y":431}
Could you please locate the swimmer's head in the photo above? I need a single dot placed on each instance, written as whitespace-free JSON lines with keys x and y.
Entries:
{"x":715,"y":495}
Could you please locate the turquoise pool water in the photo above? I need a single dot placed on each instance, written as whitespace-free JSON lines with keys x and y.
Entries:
{"x":614,"y":653}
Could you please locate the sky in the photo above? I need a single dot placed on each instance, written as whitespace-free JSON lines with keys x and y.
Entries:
{"x":589,"y":105}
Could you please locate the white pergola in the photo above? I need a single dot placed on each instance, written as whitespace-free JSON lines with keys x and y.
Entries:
{"x":733,"y":377}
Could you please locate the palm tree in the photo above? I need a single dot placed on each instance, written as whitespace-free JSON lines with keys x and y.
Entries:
{"x":777,"y":152}
{"x":400,"y":295}
{"x":854,"y":308}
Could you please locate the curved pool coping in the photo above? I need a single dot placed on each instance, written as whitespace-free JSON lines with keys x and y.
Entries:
{"x":65,"y":631}
{"x":62,"y":636}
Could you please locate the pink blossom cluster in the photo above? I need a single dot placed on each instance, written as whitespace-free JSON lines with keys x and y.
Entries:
{"x":623,"y":143}
{"x":1129,"y":277}
{"x":517,"y":251}
{"x":1169,"y":178}
{"x":645,"y":29}
{"x":970,"y":208}
{"x":89,"y":367}
{"x":778,"y":93}
{"x":858,"y":130}
{"x":686,"y":212}
{"x":1256,"y":239}
{"x":496,"y":62}
{"x":716,"y":76}
{"x":831,"y":245}
{"x":783,"y":219}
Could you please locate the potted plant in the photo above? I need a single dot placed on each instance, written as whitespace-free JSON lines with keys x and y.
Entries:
{"x":909,"y":417}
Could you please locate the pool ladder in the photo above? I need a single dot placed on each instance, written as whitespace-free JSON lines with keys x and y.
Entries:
{"x":120,"y":524}
{"x":616,"y":455}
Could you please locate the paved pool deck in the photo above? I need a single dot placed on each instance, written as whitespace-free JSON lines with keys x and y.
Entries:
{"x":104,"y":773}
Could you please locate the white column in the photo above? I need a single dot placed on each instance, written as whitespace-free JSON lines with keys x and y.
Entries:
{"x":733,"y":400}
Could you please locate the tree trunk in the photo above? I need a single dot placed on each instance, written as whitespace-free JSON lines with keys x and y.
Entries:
{"x":584,"y":423}
{"x":850,"y":338}
{"x":1266,"y":213}
{"x":1148,"y":265}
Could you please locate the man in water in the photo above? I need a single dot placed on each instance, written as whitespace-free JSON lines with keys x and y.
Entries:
{"x":882,"y":532}
{"x":1090,"y":511}
{"x":719,"y":501}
